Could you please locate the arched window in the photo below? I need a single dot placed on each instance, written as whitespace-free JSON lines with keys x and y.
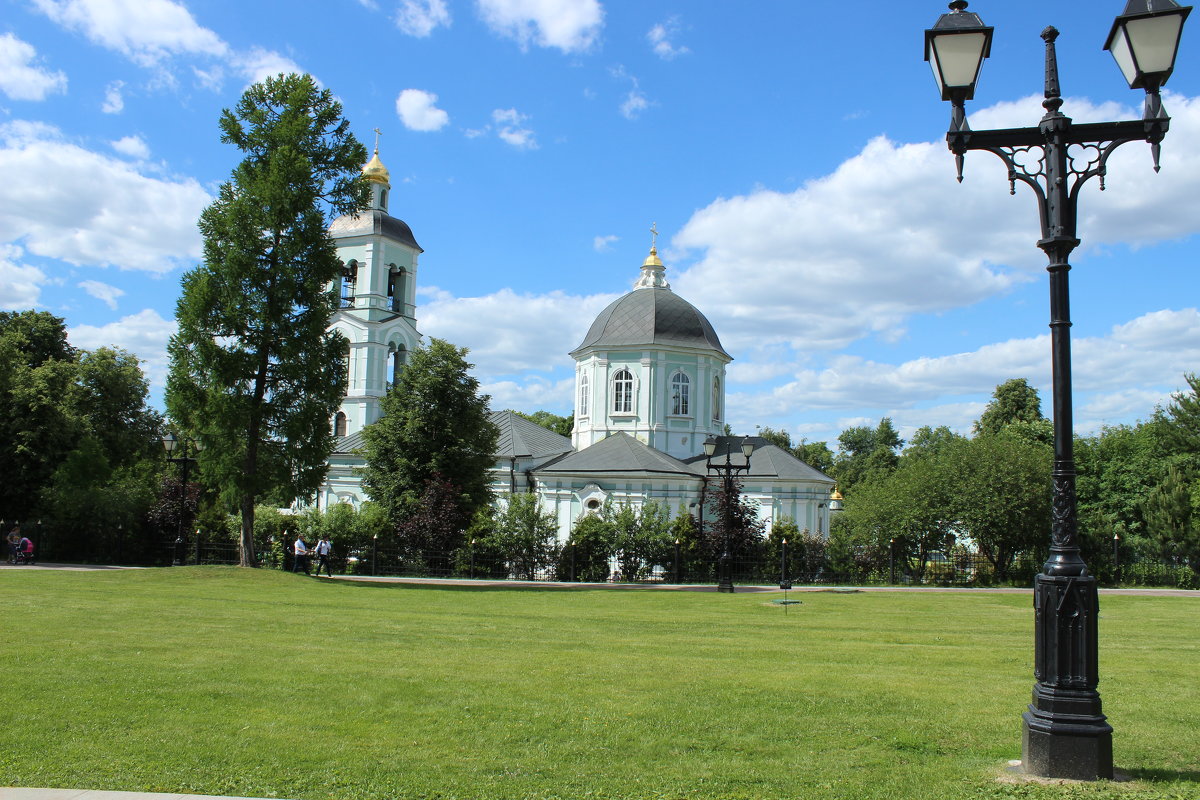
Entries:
{"x":383,"y":199}
{"x":622,"y":392}
{"x":716,"y":398}
{"x":349,"y":279}
{"x":681,"y":389}
{"x":585,"y":396}
{"x":339,"y":424}
{"x":397,"y":287}
{"x":346,"y":366}
{"x":399,"y":357}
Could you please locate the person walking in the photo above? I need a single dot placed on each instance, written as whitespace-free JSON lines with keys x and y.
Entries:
{"x":324,"y":547}
{"x":14,"y":539}
{"x":300,"y":550}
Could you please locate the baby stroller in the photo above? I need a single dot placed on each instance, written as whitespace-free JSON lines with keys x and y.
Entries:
{"x":25,"y":553}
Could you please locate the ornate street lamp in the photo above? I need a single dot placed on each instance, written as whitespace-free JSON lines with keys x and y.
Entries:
{"x":171,"y":443}
{"x":727,"y":471}
{"x":1064,"y":733}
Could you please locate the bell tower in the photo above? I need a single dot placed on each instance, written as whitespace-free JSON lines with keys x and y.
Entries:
{"x":377,"y":299}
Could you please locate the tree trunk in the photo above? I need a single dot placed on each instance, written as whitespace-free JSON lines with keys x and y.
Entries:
{"x":246,"y":548}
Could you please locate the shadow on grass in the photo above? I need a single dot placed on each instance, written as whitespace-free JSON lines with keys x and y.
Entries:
{"x":1155,"y":775}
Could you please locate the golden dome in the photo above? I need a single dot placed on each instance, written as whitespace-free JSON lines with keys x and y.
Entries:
{"x":652,"y":259}
{"x":376,"y":171}
{"x":836,"y":495}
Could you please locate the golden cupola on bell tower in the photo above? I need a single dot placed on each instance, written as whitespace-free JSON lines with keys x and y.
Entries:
{"x":379,"y":178}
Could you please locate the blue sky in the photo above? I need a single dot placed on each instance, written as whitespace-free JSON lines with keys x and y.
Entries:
{"x":791,"y":154}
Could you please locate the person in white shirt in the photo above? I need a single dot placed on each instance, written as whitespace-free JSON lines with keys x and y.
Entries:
{"x":323,"y":549}
{"x":300,"y":549}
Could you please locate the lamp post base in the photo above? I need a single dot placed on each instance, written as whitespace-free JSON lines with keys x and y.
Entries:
{"x":1066,"y":746}
{"x":1064,"y":734}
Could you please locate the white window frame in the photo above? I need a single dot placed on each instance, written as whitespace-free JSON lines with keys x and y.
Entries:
{"x":629,"y":396}
{"x":681,"y":394}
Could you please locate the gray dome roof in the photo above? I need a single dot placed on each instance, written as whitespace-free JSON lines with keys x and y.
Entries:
{"x":651,"y":316}
{"x":373,"y":221}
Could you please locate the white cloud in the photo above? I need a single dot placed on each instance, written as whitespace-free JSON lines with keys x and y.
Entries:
{"x":20,"y":77}
{"x":114,"y":101}
{"x":145,"y":334}
{"x":634,"y":104}
{"x":890,"y":234}
{"x":485,"y":325}
{"x":132,"y":146}
{"x":635,"y":101}
{"x":602,"y":244}
{"x":419,"y":112}
{"x":258,"y":64}
{"x":147,"y":31}
{"x":660,"y":37}
{"x":62,"y":201}
{"x":532,"y":393}
{"x":20,"y":284}
{"x":1148,"y":353}
{"x":102,"y":292}
{"x":569,"y":25}
{"x":420,"y":17}
{"x":510,"y":127}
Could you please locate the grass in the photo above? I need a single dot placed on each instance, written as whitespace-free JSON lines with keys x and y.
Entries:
{"x":258,"y":683}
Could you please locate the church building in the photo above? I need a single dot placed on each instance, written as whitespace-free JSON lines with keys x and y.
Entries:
{"x":649,"y":391}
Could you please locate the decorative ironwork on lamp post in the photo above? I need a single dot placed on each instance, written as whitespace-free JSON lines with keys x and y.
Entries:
{"x":171,"y":443}
{"x":1064,"y":733}
{"x":727,"y":471}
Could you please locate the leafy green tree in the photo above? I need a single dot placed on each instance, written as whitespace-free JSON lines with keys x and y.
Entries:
{"x":816,"y":454}
{"x":434,"y":421}
{"x":1118,"y":469}
{"x":641,"y":536}
{"x":910,"y":507}
{"x":526,"y":535}
{"x":781,"y":438}
{"x":1012,"y":402}
{"x":694,"y":563}
{"x":589,"y":550}
{"x":929,"y":442}
{"x":782,"y":530}
{"x":559,"y":424}
{"x":78,"y":445}
{"x":866,"y":454}
{"x":255,"y":372}
{"x":1002,"y":496}
{"x":38,"y":336}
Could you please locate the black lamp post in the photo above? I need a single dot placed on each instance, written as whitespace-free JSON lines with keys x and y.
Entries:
{"x":1064,"y":733}
{"x":727,"y":471}
{"x":172,"y":443}
{"x":1116,"y":558}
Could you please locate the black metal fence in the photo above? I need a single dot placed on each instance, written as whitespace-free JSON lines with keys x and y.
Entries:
{"x":955,"y":569}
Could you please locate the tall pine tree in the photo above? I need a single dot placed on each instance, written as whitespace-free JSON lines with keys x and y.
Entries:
{"x":254,"y":371}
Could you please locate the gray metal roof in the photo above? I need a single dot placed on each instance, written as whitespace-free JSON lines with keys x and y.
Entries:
{"x":347,"y":445}
{"x":767,"y":460}
{"x":651,"y":316}
{"x":371,"y":222}
{"x":520,"y":438}
{"x":620,"y":453}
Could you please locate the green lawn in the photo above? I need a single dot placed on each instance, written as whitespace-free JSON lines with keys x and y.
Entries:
{"x":223,"y":681}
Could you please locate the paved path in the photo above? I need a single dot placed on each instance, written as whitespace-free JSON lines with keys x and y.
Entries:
{"x":741,"y":588}
{"x":12,"y":793}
